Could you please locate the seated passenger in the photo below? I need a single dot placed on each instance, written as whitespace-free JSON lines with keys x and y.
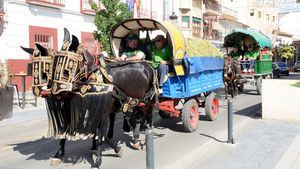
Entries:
{"x":235,"y":54}
{"x":251,"y":56}
{"x":133,"y":51}
{"x":161,"y":58}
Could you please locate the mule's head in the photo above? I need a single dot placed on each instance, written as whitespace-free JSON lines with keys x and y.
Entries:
{"x":67,"y":66}
{"x":41,"y":66}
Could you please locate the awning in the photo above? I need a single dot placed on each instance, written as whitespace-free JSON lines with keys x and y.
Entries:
{"x":196,"y":19}
{"x":240,"y":34}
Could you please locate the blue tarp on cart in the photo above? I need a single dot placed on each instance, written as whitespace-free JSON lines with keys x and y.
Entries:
{"x":202,"y":74}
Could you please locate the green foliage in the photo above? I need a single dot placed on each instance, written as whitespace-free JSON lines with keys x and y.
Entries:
{"x":287,"y":52}
{"x":115,"y":12}
{"x":198,"y":47}
{"x":297,"y":84}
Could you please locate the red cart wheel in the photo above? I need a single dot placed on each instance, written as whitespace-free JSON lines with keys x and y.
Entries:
{"x":190,"y":115}
{"x":212,"y":107}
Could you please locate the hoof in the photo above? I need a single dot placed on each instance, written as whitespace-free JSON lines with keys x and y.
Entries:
{"x":93,"y":152}
{"x":137,"y":145}
{"x":120,"y":153}
{"x":55,"y":161}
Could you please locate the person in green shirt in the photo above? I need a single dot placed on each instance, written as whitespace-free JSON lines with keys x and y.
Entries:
{"x":251,"y":56}
{"x":235,"y":54}
{"x":161,"y":58}
{"x":133,"y":51}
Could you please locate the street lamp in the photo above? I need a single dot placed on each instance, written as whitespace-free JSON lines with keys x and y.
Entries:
{"x":173,"y":16}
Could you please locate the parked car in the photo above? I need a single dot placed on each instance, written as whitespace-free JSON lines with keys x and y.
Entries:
{"x":276,"y":70}
{"x":283,"y":68}
{"x":297,"y":66}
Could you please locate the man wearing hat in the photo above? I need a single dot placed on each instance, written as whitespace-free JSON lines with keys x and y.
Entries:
{"x":235,"y":53}
{"x":133,"y":51}
{"x":161,"y":58}
{"x":252,"y":55}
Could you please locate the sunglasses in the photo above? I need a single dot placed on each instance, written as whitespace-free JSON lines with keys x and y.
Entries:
{"x":159,"y":40}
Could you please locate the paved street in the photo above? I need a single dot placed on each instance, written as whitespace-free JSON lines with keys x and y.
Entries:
{"x":259,"y":143}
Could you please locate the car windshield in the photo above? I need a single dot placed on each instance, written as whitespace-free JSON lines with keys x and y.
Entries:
{"x":281,"y":64}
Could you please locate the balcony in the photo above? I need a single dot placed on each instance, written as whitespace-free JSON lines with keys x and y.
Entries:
{"x":186,"y":4}
{"x":212,"y":8}
{"x":228,"y":13}
{"x":85,"y":6}
{"x":48,"y":3}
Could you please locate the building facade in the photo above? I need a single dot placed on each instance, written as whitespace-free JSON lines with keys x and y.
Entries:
{"x":27,"y":22}
{"x":258,"y":14}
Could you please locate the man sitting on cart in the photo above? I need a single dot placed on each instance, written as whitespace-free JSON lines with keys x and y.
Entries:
{"x":161,"y":58}
{"x":235,"y":54}
{"x":251,"y":56}
{"x":133,"y":51}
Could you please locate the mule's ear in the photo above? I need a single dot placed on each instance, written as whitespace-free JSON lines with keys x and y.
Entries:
{"x":28,"y":50}
{"x":66,"y":35}
{"x":44,"y":51}
{"x":74,"y":44}
{"x":66,"y":41}
{"x":88,"y":57}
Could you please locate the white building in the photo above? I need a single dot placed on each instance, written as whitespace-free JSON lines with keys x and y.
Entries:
{"x":42,"y":21}
{"x":30,"y":21}
{"x":289,"y":22}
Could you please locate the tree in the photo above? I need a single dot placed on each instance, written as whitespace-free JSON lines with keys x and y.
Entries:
{"x":115,"y":12}
{"x":287,"y":52}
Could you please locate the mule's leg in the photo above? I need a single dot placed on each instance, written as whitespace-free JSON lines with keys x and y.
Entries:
{"x":136,"y":135}
{"x":110,"y":135}
{"x":94,"y":142}
{"x":61,"y":151}
{"x":98,"y":150}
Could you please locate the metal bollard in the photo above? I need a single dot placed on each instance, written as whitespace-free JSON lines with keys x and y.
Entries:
{"x":230,"y":121}
{"x":149,"y":149}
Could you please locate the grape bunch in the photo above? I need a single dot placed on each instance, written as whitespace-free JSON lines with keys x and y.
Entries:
{"x":201,"y":48}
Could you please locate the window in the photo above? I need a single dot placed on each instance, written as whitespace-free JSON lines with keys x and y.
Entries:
{"x":196,"y":26}
{"x":47,"y":37}
{"x":251,"y":12}
{"x":185,"y":22}
{"x":49,"y":3}
{"x":267,"y":17}
{"x":273,"y":18}
{"x":88,"y":42}
{"x":259,"y":14}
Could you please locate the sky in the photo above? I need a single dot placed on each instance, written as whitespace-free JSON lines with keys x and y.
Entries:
{"x":287,"y":5}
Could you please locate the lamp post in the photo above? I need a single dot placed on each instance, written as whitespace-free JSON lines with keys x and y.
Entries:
{"x":173,"y":17}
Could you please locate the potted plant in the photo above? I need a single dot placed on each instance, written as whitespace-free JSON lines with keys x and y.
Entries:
{"x":6,"y":92}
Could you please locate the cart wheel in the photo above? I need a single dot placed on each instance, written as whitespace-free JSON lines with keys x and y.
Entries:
{"x":212,"y":107}
{"x":258,"y":85}
{"x":241,"y":87}
{"x":190,"y":115}
{"x":163,"y":114}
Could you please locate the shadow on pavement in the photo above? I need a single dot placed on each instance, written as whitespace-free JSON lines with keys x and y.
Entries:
{"x":213,"y":138}
{"x":253,"y":111}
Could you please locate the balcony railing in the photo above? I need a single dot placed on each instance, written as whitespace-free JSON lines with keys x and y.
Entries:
{"x":48,"y":3}
{"x":212,"y":7}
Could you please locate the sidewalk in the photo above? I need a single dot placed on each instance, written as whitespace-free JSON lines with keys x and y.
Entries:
{"x":263,"y":145}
